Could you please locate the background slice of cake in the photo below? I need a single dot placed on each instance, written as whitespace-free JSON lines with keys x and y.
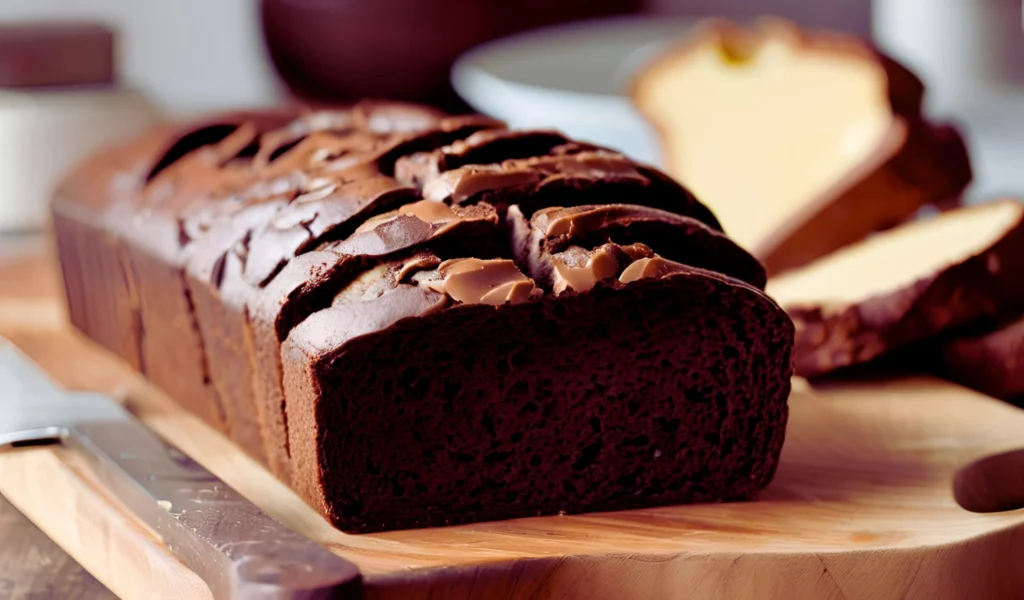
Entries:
{"x":801,"y":142}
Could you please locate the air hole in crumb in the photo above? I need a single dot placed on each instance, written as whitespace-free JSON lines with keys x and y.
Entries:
{"x":519,"y":388}
{"x":487,"y":422}
{"x":496,"y":457}
{"x":529,"y":407}
{"x":588,"y":455}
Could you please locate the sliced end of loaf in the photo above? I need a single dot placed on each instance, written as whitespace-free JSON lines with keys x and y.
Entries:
{"x":905,"y":285}
{"x":608,"y":400}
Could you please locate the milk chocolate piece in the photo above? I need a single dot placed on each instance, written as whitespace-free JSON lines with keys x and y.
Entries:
{"x":579,"y":270}
{"x":473,"y":281}
{"x":426,"y":211}
{"x":653,"y":267}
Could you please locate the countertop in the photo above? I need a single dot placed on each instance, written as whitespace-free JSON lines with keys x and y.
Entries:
{"x":31,"y":565}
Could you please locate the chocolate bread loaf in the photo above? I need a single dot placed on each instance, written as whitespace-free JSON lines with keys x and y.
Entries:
{"x":417,"y":319}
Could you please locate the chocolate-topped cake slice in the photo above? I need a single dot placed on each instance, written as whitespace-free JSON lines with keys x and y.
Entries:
{"x":313,"y":182}
{"x":633,"y":394}
{"x":588,"y":177}
{"x":481,"y":148}
{"x":543,"y":241}
{"x":310,"y":281}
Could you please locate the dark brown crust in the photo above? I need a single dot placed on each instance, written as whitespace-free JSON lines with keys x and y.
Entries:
{"x":981,"y":287}
{"x":110,"y":315}
{"x":918,"y":163}
{"x":263,"y":311}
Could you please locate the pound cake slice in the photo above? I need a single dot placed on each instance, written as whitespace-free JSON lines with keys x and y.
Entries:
{"x":800,"y":141}
{"x":252,"y":264}
{"x":905,"y":285}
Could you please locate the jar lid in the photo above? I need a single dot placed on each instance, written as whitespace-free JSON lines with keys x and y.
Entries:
{"x":34,"y":55}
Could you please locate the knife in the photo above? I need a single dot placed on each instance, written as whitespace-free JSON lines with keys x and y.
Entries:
{"x":238,"y":550}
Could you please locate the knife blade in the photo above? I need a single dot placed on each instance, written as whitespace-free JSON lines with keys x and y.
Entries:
{"x":236,"y":548}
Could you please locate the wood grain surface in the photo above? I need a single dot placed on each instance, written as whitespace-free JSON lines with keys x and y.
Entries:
{"x":862,"y":505}
{"x":32,"y":566}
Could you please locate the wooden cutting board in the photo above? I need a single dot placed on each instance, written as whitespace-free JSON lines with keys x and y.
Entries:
{"x":862,"y":505}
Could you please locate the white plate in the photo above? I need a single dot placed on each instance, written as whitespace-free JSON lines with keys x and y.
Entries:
{"x":572,"y":77}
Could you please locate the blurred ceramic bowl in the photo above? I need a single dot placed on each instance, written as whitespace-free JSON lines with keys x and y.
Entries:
{"x":571,"y":77}
{"x":398,"y":49}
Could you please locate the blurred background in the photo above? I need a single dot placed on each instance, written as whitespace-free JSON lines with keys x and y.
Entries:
{"x":76,"y":73}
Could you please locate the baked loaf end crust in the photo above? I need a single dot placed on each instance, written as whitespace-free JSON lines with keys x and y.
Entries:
{"x":418,"y":319}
